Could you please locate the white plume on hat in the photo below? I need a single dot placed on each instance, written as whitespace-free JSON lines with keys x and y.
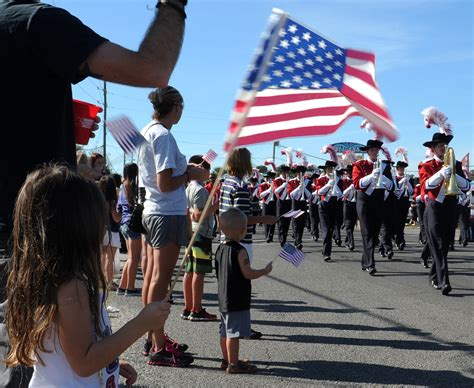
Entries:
{"x":369,"y":127}
{"x":269,"y":162}
{"x":403,"y":152}
{"x":329,"y":149}
{"x":349,"y":157}
{"x":432,"y":115}
{"x":289,"y":155}
{"x":300,"y":155}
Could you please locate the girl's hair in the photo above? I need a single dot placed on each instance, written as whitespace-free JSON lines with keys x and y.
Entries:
{"x":240,"y":162}
{"x":81,"y":158}
{"x":57,"y":234}
{"x":130,"y":177}
{"x":93,"y":158}
{"x":108,"y":188}
{"x":164,"y":100}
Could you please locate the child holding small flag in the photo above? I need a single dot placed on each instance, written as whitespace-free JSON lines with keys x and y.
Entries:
{"x":234,"y":290}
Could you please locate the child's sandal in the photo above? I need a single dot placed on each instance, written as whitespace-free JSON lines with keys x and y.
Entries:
{"x":241,"y":367}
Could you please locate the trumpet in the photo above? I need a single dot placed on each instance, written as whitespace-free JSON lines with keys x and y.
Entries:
{"x":379,"y":164}
{"x":451,"y":185}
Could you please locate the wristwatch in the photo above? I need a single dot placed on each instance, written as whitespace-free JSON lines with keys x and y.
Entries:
{"x":178,"y":5}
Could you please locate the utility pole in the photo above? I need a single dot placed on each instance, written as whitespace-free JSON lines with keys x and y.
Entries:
{"x":275,"y":144}
{"x":105,"y":123}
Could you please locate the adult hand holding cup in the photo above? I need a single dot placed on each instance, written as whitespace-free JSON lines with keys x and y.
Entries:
{"x":85,"y":120}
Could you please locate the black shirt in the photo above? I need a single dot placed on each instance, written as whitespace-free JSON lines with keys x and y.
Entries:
{"x":41,"y":48}
{"x":233,"y":289}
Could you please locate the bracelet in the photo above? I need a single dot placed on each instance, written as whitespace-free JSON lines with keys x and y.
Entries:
{"x":177,"y":5}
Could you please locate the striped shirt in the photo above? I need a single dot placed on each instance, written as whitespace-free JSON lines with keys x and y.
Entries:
{"x":234,"y":193}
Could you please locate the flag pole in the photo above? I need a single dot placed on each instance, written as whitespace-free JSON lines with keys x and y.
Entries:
{"x":233,"y":142}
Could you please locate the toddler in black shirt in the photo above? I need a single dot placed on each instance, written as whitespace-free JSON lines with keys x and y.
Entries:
{"x":234,"y":289}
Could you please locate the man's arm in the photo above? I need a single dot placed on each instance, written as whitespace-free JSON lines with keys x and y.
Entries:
{"x":152,"y":64}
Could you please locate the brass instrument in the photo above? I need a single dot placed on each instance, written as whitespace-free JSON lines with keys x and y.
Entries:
{"x":379,"y":164}
{"x":451,"y":185}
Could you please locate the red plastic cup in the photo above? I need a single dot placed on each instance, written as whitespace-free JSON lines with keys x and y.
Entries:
{"x":84,"y":119}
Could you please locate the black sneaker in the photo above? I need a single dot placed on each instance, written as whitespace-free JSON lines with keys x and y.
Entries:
{"x":120,"y":291}
{"x":371,"y":270}
{"x":134,"y":292}
{"x":185,"y":314}
{"x":390,"y":255}
{"x":327,"y":258}
{"x":202,"y":315}
{"x":170,"y":342}
{"x":170,"y":357}
{"x":147,"y":347}
{"x":255,"y":334}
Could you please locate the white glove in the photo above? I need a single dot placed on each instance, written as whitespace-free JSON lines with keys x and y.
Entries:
{"x":331,"y":182}
{"x":403,"y":180}
{"x":376,"y":173}
{"x":447,"y":172}
{"x":387,"y":183}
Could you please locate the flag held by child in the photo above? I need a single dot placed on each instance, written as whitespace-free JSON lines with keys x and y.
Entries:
{"x":292,"y":254}
{"x":125,"y":133}
{"x":302,"y":84}
{"x":210,"y":156}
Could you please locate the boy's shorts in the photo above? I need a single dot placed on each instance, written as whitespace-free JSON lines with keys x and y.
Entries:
{"x":235,"y":324}
{"x":200,"y":259}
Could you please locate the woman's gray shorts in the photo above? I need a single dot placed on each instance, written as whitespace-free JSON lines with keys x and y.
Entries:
{"x":162,"y":230}
{"x":235,"y":324}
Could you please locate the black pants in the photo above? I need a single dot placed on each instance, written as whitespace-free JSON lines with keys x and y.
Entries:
{"x":339,"y":220}
{"x":350,"y":219}
{"x":300,"y":222}
{"x":269,"y":209}
{"x":283,"y":222}
{"x":464,"y":215}
{"x":370,"y":216}
{"x":401,"y":213}
{"x":314,"y":219}
{"x":425,"y":253}
{"x":387,"y":228}
{"x":440,"y":222}
{"x":327,"y":216}
{"x":420,"y":210}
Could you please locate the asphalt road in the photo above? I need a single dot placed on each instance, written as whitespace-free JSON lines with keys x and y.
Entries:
{"x":328,"y":324}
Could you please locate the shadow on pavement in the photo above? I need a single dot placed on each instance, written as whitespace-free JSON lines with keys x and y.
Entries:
{"x":394,"y":344}
{"x":352,"y":372}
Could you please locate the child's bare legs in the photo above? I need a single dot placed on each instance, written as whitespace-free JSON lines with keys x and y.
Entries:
{"x":188,"y":290}
{"x":107,"y":259}
{"x":223,"y":344}
{"x":232,"y":350}
{"x":197,"y":291}
{"x":130,"y":269}
{"x":164,"y":260}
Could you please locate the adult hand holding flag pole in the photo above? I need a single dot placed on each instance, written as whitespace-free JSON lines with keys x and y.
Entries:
{"x":302,"y":84}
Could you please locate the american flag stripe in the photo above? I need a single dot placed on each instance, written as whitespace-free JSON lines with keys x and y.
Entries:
{"x":291,"y":254}
{"x":310,"y":86}
{"x":210,"y":156}
{"x":125,"y":133}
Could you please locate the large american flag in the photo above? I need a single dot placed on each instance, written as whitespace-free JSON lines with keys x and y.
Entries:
{"x":302,"y":84}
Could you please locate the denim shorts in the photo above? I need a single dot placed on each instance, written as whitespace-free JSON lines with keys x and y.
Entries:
{"x":129,"y":234}
{"x":235,"y":324}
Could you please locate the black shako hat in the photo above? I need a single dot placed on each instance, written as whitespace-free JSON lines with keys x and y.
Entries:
{"x":270,"y":174}
{"x":372,"y":144}
{"x":284,"y":167}
{"x":329,"y":163}
{"x":298,"y":168}
{"x":401,"y":164}
{"x":438,"y":138}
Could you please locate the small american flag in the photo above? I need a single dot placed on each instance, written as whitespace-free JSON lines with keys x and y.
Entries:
{"x":302,"y":84}
{"x":210,"y":156}
{"x":291,"y":254}
{"x":125,"y":133}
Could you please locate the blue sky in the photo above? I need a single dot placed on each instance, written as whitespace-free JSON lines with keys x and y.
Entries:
{"x":424,"y":56}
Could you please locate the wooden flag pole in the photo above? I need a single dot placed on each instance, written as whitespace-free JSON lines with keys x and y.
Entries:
{"x":232,"y":145}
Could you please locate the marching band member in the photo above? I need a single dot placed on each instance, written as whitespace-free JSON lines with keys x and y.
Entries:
{"x":267,"y":196}
{"x":350,"y":211}
{"x":314,"y":207}
{"x":464,"y":204}
{"x":329,"y":188}
{"x":403,"y":193}
{"x":370,"y":186}
{"x":280,"y":185}
{"x":299,"y":189}
{"x":440,"y":208}
{"x":388,"y":213}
